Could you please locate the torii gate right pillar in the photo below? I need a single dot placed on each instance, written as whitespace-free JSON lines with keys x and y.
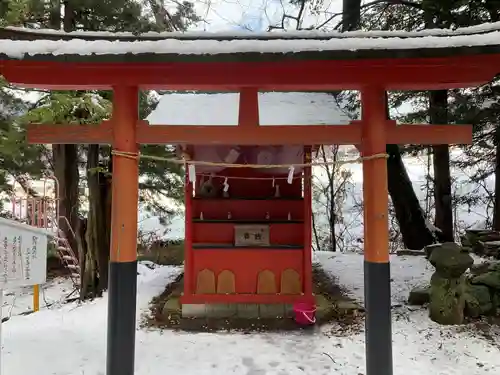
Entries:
{"x":378,"y":329}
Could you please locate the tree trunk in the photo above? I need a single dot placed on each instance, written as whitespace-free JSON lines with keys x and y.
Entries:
{"x":496,"y":202}
{"x":69,"y":16}
{"x":95,"y":240}
{"x":65,"y":161}
{"x":55,"y":14}
{"x":162,"y":18}
{"x":438,"y":108}
{"x":438,"y":112}
{"x":413,"y":225}
{"x":315,"y":232}
{"x":351,"y":14}
{"x":330,"y":198}
{"x":85,"y":285}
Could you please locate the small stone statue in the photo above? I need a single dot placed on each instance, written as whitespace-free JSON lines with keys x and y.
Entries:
{"x":447,"y":297}
{"x":207,"y":189}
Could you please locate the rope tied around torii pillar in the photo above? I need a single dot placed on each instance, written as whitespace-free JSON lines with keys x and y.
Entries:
{"x":185,"y":160}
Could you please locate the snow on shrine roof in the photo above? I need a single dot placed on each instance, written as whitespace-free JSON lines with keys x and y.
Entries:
{"x":16,"y":43}
{"x":20,"y":33}
{"x":275,"y":108}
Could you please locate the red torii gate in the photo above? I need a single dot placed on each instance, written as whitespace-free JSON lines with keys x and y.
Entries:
{"x":370,"y":62}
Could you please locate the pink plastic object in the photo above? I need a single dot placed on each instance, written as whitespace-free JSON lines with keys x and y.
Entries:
{"x":304,"y":313}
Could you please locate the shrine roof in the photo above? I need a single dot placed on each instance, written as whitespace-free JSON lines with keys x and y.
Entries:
{"x":52,"y":45}
{"x":275,"y":108}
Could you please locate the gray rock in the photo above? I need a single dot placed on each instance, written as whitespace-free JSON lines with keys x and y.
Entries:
{"x":464,"y":241}
{"x":345,"y":307}
{"x":477,"y":300}
{"x":479,"y":269}
{"x":488,"y":248}
{"x":483,"y":242}
{"x":171,"y":309}
{"x":430,"y":248}
{"x":495,"y":301}
{"x":490,"y":279}
{"x":419,"y":296}
{"x":494,"y":266}
{"x":410,"y":252}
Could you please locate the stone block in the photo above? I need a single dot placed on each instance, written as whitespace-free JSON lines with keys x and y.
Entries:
{"x":275,"y":310}
{"x":478,"y":301}
{"x":171,"y":308}
{"x":247,"y":310}
{"x":419,"y":296}
{"x":221,"y":310}
{"x":346,"y":307}
{"x":490,"y":279}
{"x":193,"y":310}
{"x":289,"y":313}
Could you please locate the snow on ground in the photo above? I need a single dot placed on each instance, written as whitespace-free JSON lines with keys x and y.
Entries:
{"x":20,"y":300}
{"x":71,"y":339}
{"x":406,"y":272}
{"x":420,"y":346}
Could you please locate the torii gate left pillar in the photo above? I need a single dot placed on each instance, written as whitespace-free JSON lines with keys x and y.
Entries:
{"x":377,"y":280}
{"x":122,"y":293}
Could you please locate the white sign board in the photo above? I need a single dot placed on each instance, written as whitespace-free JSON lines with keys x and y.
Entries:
{"x":23,"y":254}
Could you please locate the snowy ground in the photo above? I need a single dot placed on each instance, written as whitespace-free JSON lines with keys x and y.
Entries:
{"x":52,"y":295}
{"x":407,"y":272}
{"x":70,"y":339}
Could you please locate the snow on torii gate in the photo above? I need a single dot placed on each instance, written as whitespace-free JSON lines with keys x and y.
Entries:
{"x":371,"y":62}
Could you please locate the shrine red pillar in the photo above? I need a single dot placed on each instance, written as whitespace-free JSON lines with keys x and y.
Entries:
{"x":188,"y":237}
{"x":308,"y":279}
{"x":123,"y":253}
{"x":376,"y":243}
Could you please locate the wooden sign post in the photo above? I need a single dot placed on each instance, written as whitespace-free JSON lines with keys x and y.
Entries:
{"x":23,"y":257}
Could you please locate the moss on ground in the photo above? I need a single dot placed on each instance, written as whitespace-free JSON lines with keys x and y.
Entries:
{"x":333,"y":305}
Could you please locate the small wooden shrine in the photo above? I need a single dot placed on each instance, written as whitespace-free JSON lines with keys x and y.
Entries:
{"x":247,"y":240}
{"x":247,"y":230}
